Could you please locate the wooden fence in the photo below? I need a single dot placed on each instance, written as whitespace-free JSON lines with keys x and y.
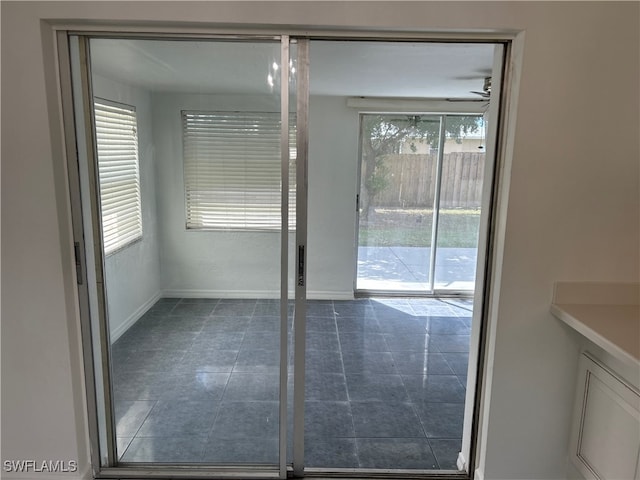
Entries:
{"x":412,"y":181}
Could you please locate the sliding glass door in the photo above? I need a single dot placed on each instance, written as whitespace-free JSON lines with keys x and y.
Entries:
{"x":188,"y":179}
{"x":419,"y":202}
{"x":214,"y":193}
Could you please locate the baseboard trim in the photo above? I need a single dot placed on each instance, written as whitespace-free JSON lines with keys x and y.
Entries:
{"x":134,"y":317}
{"x":195,"y":293}
{"x":461,"y":463}
{"x":311,"y":295}
{"x":329,"y":295}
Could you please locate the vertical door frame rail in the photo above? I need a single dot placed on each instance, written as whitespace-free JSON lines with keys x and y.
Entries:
{"x":284,"y":254}
{"x":435,"y":223}
{"x":300,"y":328}
{"x":89,"y":257}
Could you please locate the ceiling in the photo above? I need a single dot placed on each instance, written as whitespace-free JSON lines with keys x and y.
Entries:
{"x":342,"y":68}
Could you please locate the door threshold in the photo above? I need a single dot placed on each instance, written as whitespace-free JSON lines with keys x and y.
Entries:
{"x":412,"y":294}
{"x":374,"y":473}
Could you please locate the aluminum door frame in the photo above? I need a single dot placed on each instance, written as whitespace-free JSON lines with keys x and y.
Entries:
{"x":81,"y":150}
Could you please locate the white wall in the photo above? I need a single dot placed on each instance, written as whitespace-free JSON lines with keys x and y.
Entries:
{"x":333,"y":169}
{"x":227,"y":264}
{"x":133,"y":273}
{"x":572,"y":208}
{"x":207,"y":263}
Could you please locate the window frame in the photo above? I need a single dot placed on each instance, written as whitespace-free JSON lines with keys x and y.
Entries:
{"x":112,"y":247}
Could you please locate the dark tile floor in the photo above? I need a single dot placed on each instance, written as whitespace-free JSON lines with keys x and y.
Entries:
{"x":196,"y":380}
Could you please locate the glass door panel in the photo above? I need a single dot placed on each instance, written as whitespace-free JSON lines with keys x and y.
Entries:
{"x":460,"y":203}
{"x":189,"y":175}
{"x":398,"y":176}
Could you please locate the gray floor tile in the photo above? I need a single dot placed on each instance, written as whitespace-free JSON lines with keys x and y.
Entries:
{"x":391,"y":305}
{"x":326,"y":386}
{"x":258,"y":361}
{"x":459,"y":362}
{"x":130,"y":414}
{"x":441,"y":310}
{"x":363,"y":341}
{"x":159,"y":338}
{"x":222,"y":364}
{"x":252,"y":387}
{"x":408,"y":324}
{"x":447,"y":325}
{"x":229,"y":324}
{"x":122,"y":443}
{"x":143,"y":385}
{"x":163,"y":306}
{"x":320,"y":308}
{"x":359,"y":362}
{"x":451,"y":343}
{"x":267,"y":306}
{"x":173,"y":449}
{"x":264,"y":323}
{"x":434,"y":388}
{"x":357,"y":324}
{"x":200,"y":300}
{"x":201,"y":386}
{"x":322,"y":341}
{"x":157,"y":360}
{"x":246,"y":420}
{"x":356,"y":308}
{"x":421,"y":363}
{"x":176,"y":324}
{"x":387,"y":420}
{"x":446,"y":451}
{"x":396,"y":453}
{"x":261,"y":340}
{"x":249,"y":450}
{"x":376,"y":387}
{"x":328,"y":419}
{"x":207,"y":360}
{"x":323,"y":361}
{"x":441,"y":420}
{"x":218,"y":340}
{"x":197,"y":309}
{"x":179,"y":417}
{"x":321,"y":324}
{"x":330,"y":452}
{"x":240,"y":308}
{"x":399,"y":342}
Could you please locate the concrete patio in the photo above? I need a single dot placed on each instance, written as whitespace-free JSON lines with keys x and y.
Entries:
{"x":407,"y":268}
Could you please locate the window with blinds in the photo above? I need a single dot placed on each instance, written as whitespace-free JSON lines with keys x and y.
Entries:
{"x":119,"y":175}
{"x":232,"y":170}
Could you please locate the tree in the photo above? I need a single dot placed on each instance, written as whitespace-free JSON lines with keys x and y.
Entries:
{"x":383,"y":135}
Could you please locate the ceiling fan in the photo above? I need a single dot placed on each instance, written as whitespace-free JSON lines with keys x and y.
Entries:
{"x":486,"y":88}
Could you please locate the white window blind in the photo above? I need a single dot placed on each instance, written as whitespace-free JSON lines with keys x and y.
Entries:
{"x":232,"y":170}
{"x":118,"y":170}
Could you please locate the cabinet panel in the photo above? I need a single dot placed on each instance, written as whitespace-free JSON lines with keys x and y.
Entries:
{"x":606,"y":436}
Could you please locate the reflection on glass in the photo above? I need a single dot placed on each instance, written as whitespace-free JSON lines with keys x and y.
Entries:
{"x":460,"y":201}
{"x":189,"y":154}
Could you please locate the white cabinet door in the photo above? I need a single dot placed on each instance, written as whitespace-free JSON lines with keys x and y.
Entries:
{"x":605,"y":442}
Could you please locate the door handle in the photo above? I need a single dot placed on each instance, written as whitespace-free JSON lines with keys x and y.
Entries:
{"x":77,"y":253}
{"x":301,"y":265}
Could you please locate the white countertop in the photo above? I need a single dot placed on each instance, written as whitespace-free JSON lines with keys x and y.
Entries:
{"x":607,"y":314}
